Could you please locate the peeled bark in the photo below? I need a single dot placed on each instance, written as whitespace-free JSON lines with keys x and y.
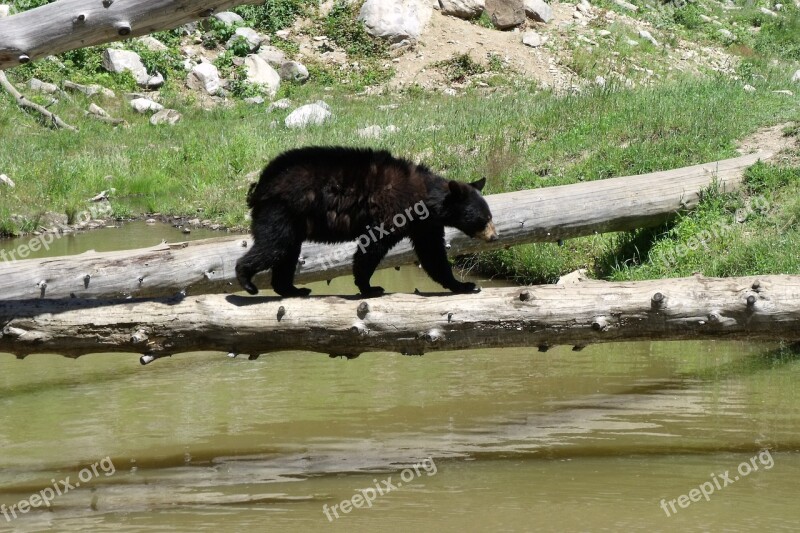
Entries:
{"x":69,"y":24}
{"x":579,"y":313}
{"x":538,"y":215}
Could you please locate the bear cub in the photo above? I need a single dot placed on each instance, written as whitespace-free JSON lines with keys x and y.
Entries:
{"x":335,"y":194}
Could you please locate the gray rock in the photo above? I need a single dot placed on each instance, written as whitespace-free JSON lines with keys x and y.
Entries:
{"x":259,"y":72}
{"x":506,"y":14}
{"x":293,"y":71}
{"x":116,"y":60}
{"x":796,"y":76}
{"x":229,"y":18}
{"x":247,"y":35}
{"x":95,"y":109}
{"x":376,"y":132}
{"x":38,"y":85}
{"x":274,"y":56}
{"x":726,"y":34}
{"x":283,"y":103}
{"x":538,"y":10}
{"x":646,"y":35}
{"x":784,"y":92}
{"x":395,"y":20}
{"x":89,"y":90}
{"x":5,"y":10}
{"x":143,"y":105}
{"x":254,"y":100}
{"x":749,"y":88}
{"x":626,"y":5}
{"x":768,"y":12}
{"x":204,"y":76}
{"x":532,"y":39}
{"x":153,"y":44}
{"x":307,"y":115}
{"x":465,"y":9}
{"x":165,"y":116}
{"x":5,"y":180}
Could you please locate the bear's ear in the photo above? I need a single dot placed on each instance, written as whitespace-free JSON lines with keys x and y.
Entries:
{"x":455,"y":188}
{"x":479,"y":184}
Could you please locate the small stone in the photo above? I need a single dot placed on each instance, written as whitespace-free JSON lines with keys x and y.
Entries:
{"x":310,"y":114}
{"x":254,"y":100}
{"x":626,"y":5}
{"x":229,"y":18}
{"x":603,"y":33}
{"x":644,"y":34}
{"x":796,"y":77}
{"x":143,"y":105}
{"x":5,"y":180}
{"x":768,"y":12}
{"x":42,"y":86}
{"x":283,"y":103}
{"x":728,"y":35}
{"x":95,"y":109}
{"x":532,"y":39}
{"x":150,"y":221}
{"x":165,"y":116}
{"x":5,"y":10}
{"x":153,"y":44}
{"x":293,"y":71}
{"x":749,"y":88}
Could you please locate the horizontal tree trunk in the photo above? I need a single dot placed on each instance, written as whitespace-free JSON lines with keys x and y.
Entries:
{"x":578,"y":313}
{"x":538,"y":215}
{"x":69,"y":24}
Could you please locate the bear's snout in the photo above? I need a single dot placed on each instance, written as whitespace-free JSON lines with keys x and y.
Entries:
{"x":489,"y":233}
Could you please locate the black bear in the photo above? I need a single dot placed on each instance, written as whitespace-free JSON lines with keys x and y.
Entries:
{"x":335,"y":194}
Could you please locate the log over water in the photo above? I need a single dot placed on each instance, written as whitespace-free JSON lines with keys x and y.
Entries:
{"x":580,"y":313}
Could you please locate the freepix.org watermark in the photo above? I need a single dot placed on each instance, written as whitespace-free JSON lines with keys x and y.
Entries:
{"x":376,"y":233}
{"x":43,"y":241}
{"x":365,"y":497}
{"x":63,"y":486}
{"x":717,"y":483}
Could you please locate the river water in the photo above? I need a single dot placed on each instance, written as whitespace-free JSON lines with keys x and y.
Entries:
{"x":497,"y":440}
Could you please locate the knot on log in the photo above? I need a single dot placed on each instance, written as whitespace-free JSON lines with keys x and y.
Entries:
{"x":123,"y":28}
{"x":524,"y":296}
{"x":432,"y":336}
{"x":363,"y":310}
{"x":543,"y":347}
{"x":359,"y":329}
{"x":751,"y":302}
{"x":600,"y":323}
{"x":86,"y":280}
{"x":42,"y":286}
{"x":657,"y":301}
{"x":281,"y":313}
{"x":139,"y":336}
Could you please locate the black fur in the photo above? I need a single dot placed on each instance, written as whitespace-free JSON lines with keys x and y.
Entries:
{"x":332,"y":194}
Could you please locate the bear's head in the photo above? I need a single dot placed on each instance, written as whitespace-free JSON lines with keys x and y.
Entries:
{"x":466,"y":209}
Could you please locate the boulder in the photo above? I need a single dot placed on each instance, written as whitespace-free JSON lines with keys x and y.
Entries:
{"x":165,"y":116}
{"x":229,"y":18}
{"x":395,"y":20}
{"x":293,"y":71}
{"x":538,"y":10}
{"x":5,"y":10}
{"x":117,"y":60}
{"x":249,"y":36}
{"x":204,"y":76}
{"x":143,"y":105}
{"x":307,"y":115}
{"x":38,"y":85}
{"x":153,"y":44}
{"x":274,"y":56}
{"x":465,"y":9}
{"x":259,"y":72}
{"x":506,"y":14}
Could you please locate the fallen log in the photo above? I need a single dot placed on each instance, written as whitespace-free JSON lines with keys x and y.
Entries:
{"x":578,"y":313}
{"x":68,"y":24}
{"x":539,"y":215}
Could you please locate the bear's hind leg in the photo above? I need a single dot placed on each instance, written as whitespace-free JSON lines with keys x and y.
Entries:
{"x":283,"y":273}
{"x":365,"y":262}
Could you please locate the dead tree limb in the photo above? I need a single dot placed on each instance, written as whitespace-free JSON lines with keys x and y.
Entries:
{"x":24,"y":103}
{"x":68,"y":24}
{"x":538,"y":215}
{"x":586,"y":312}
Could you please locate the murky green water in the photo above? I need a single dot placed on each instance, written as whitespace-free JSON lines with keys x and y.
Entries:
{"x":507,"y":440}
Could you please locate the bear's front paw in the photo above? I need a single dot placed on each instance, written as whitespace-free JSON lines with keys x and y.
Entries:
{"x":372,"y":292}
{"x":465,"y":288}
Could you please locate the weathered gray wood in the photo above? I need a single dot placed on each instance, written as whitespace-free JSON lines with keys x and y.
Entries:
{"x":581,"y":313}
{"x":538,"y":215}
{"x":69,"y":24}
